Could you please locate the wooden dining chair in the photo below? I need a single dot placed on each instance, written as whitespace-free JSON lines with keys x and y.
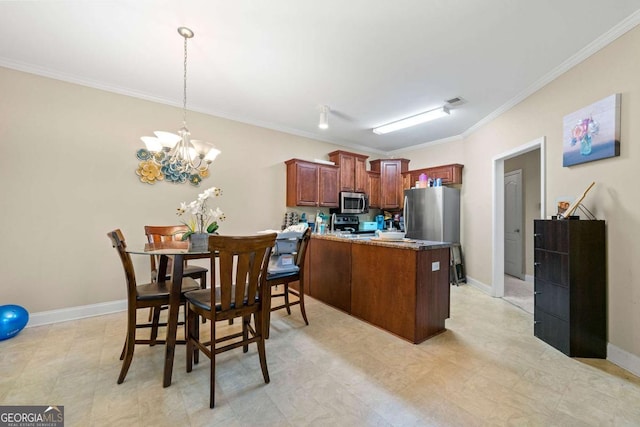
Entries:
{"x":164,"y":233}
{"x":286,"y":278}
{"x":239,"y":290}
{"x":151,"y":295}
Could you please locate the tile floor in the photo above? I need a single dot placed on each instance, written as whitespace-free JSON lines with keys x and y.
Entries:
{"x":519,"y":293}
{"x":487,"y":369}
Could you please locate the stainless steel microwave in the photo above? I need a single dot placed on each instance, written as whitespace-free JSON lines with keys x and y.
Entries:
{"x":353,"y":203}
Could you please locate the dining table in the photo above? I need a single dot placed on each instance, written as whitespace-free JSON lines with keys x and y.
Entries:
{"x":179,"y":252}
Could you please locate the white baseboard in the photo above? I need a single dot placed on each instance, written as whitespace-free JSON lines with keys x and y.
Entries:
{"x":479,"y":285}
{"x":74,"y":313}
{"x":624,"y":359}
{"x":529,"y":278}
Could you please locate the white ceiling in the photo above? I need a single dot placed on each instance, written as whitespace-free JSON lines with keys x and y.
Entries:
{"x":274,"y":62}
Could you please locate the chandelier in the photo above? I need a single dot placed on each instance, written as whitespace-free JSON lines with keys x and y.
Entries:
{"x":176,"y":158}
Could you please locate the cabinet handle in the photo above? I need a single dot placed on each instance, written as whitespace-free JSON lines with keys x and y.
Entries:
{"x":537,"y":235}
{"x":537,"y":293}
{"x":535,"y":322}
{"x":537,"y":264}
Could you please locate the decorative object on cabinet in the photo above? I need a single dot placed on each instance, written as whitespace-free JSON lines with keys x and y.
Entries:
{"x":312,"y":184}
{"x":577,"y":204}
{"x":390,"y":181}
{"x":592,"y":133}
{"x":570,"y":294}
{"x":176,"y":158}
{"x":449,"y":174}
{"x":562,"y":203}
{"x":353,"y":170}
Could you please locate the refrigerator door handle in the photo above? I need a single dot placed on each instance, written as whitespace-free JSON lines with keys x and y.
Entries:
{"x":404,"y":213}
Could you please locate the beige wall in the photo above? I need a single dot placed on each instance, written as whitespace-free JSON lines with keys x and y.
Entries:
{"x":615,"y":69}
{"x":68,"y":177}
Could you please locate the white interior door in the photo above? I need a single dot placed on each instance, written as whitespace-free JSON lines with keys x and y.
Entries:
{"x":513,"y":250}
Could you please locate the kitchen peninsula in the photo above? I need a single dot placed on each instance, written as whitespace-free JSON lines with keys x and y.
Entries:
{"x":402,"y":287}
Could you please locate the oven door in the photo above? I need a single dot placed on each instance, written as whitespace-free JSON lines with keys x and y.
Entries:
{"x":353,"y":203}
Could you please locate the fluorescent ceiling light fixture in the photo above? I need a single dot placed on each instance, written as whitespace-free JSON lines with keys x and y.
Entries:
{"x":324,"y":117}
{"x":412,"y":121}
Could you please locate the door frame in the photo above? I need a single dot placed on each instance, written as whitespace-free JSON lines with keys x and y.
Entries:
{"x":497,"y":282}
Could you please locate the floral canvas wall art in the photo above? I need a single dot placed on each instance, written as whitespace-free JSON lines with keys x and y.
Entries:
{"x":592,"y":133}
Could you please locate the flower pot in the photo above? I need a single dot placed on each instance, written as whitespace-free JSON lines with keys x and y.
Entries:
{"x":199,"y":242}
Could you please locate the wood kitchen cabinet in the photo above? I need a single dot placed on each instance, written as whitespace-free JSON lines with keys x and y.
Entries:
{"x":449,"y":174}
{"x":570,"y":288}
{"x":391,"y":190}
{"x":373,"y":189}
{"x":330,"y":273}
{"x":407,"y":293}
{"x":353,"y":170}
{"x":400,"y":287}
{"x":311,"y":184}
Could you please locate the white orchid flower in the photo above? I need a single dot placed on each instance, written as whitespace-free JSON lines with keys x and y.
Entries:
{"x":218,"y":214}
{"x":202,"y":217}
{"x":183,"y":208}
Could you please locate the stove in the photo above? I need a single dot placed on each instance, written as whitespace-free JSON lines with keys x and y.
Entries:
{"x":344,"y":222}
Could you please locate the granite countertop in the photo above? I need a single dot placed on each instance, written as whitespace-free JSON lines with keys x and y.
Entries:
{"x":413,"y":244}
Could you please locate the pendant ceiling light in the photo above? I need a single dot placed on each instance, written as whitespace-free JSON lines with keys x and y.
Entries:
{"x":324,"y":117}
{"x":176,"y":158}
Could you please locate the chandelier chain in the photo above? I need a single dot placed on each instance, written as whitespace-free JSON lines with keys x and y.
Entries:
{"x":184,"y":98}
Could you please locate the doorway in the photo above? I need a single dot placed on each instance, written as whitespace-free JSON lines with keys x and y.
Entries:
{"x":498,"y":267}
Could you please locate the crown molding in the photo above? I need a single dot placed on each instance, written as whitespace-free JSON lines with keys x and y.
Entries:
{"x":615,"y":32}
{"x":620,"y":29}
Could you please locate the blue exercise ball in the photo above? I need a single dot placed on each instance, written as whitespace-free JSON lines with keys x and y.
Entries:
{"x":13,"y":319}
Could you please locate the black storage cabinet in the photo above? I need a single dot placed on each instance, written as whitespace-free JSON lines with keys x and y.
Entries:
{"x":571,"y":286}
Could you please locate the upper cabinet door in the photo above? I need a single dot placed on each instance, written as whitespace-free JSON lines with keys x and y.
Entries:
{"x":353,"y":168}
{"x":328,"y":186}
{"x":373,"y":188}
{"x":347,"y":172}
{"x":361,"y":174}
{"x":390,"y":181}
{"x":302,"y":183}
{"x":311,"y":184}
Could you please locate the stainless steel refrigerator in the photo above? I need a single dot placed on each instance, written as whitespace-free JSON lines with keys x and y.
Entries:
{"x":432,"y":214}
